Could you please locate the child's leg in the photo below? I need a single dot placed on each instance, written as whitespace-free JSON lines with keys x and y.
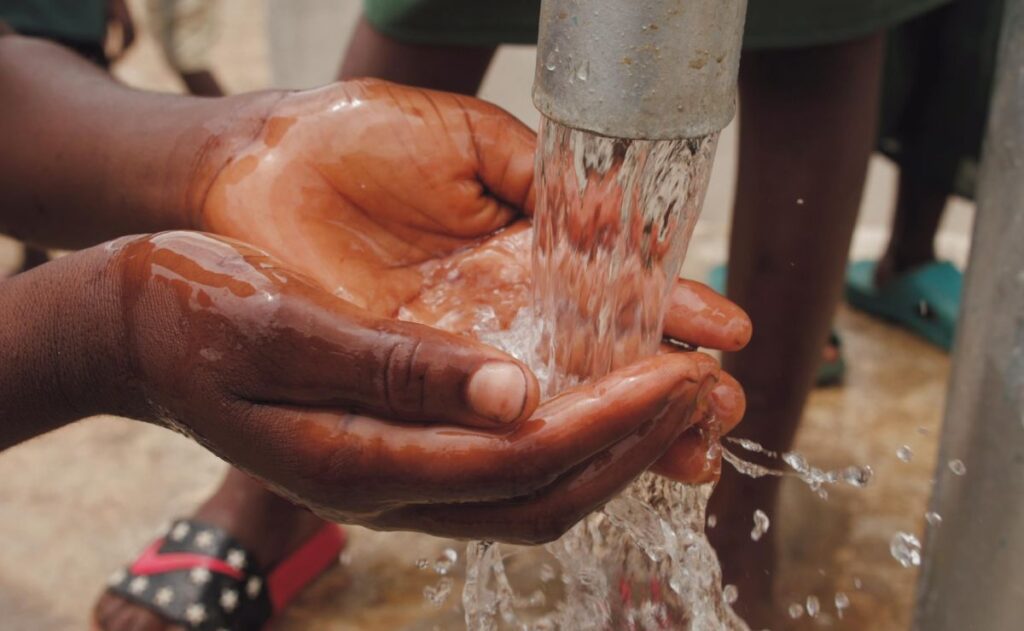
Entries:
{"x":919,"y":207}
{"x":32,"y":257}
{"x":438,"y":67}
{"x":807,"y":128}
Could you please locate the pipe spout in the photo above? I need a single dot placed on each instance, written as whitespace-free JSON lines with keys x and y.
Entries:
{"x":640,"y":69}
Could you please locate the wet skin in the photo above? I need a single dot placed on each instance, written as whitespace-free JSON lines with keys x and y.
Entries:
{"x":263,"y":367}
{"x":290,"y":376}
{"x":415,"y":204}
{"x":299,"y":371}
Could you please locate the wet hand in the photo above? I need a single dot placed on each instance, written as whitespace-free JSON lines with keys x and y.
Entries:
{"x":376,"y":421}
{"x":413,"y":204}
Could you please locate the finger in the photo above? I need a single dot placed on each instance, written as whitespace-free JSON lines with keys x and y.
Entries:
{"x":345,"y":455}
{"x":728,"y":402}
{"x":326,"y":352}
{"x":505,"y":148}
{"x":696,"y":456}
{"x":546,"y":515}
{"x":699,"y":316}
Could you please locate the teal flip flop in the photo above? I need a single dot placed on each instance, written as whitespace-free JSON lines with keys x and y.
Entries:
{"x":830,"y":372}
{"x":925,"y":300}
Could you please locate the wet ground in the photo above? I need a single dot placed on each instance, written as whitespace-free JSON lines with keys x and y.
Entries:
{"x":79,"y":502}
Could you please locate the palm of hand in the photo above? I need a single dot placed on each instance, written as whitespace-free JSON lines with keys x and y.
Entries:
{"x":377,"y":192}
{"x":405,"y":203}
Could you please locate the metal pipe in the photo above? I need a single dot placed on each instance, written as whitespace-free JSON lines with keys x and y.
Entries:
{"x":652,"y":69}
{"x":973,"y":575}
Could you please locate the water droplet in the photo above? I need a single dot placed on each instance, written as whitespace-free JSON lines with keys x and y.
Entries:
{"x":712,"y":521}
{"x":796,"y":610}
{"x":422,"y":564}
{"x":813,"y":606}
{"x":761,"y":525}
{"x":583,"y":71}
{"x":842,"y":603}
{"x":905,"y":453}
{"x":858,"y":476}
{"x":857,"y":583}
{"x":796,"y":461}
{"x":800,"y":201}
{"x":933,"y":518}
{"x":444,"y":563}
{"x":906,"y":549}
{"x":547,"y":573}
{"x":957,"y":466}
{"x":536,"y":599}
{"x":753,"y":446}
{"x":549,"y":61}
{"x":437,"y":594}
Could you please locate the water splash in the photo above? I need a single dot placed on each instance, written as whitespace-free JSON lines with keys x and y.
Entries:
{"x":436,"y":595}
{"x":904,"y":453}
{"x":761,"y":525}
{"x":813,"y":606}
{"x":611,"y":229}
{"x":858,"y":476}
{"x":906,"y":549}
{"x":842,"y":602}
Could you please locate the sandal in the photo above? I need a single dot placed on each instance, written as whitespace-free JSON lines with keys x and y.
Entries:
{"x":924,"y":300}
{"x":831,"y":370}
{"x":199,"y":577}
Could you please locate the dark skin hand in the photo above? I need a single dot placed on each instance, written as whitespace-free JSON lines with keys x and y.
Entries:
{"x":413,"y":204}
{"x":310,"y":384}
{"x":363,"y":425}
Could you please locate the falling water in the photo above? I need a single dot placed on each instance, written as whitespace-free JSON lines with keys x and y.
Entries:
{"x":614,"y":218}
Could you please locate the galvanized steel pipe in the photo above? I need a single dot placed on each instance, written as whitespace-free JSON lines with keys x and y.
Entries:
{"x":973,"y":573}
{"x":652,"y":69}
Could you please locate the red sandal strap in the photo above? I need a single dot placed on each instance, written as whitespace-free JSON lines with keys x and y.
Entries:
{"x":310,"y":560}
{"x":152,"y":562}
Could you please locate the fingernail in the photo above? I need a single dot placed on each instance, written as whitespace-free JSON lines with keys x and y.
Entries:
{"x":497,"y":390}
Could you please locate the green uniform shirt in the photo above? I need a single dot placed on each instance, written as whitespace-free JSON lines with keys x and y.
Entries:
{"x":72,"y":21}
{"x":770,"y":23}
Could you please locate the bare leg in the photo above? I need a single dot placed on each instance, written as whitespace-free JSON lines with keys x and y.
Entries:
{"x":202,"y":83}
{"x":919,"y":209}
{"x":808,"y":124}
{"x":32,"y":257}
{"x":451,"y":68}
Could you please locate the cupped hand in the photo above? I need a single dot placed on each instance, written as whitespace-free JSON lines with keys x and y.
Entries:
{"x":373,"y":420}
{"x":413,"y":205}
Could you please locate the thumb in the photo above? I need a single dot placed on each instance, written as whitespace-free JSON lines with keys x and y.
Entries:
{"x":395,"y":370}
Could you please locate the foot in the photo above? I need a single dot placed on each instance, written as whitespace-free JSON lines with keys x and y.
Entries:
{"x":890,"y":266}
{"x":269,"y":527}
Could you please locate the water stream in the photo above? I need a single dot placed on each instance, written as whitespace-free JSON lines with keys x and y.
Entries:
{"x":614,"y":218}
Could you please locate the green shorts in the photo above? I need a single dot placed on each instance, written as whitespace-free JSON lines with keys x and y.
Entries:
{"x":770,"y":23}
